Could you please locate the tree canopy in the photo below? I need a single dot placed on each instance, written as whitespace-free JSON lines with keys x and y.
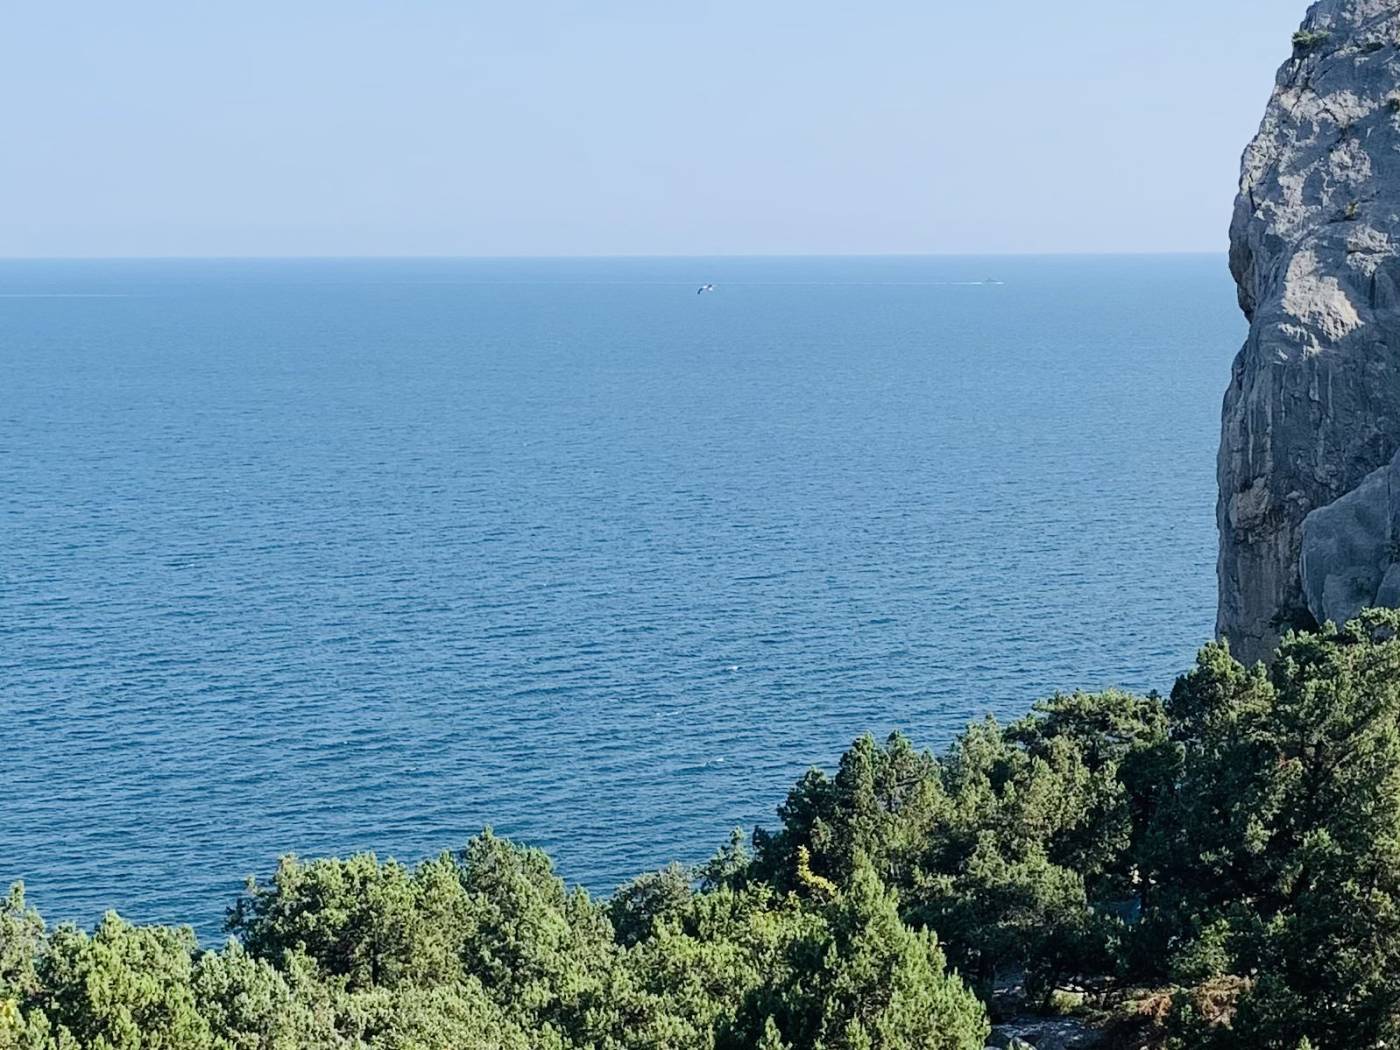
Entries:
{"x":1233,"y":847}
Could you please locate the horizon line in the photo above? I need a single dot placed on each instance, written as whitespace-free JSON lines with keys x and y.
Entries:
{"x":581,"y":257}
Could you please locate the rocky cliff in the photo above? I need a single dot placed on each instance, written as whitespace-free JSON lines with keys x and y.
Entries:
{"x":1309,"y":508}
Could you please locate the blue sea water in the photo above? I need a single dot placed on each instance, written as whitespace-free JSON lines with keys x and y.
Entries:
{"x":321,"y":556}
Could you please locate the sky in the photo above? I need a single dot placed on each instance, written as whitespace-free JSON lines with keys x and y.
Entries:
{"x":616,"y":127}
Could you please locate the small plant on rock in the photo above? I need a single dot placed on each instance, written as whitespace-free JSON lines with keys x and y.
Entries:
{"x":1309,"y":39}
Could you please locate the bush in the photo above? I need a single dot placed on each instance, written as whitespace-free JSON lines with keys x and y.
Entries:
{"x":1310,"y":39}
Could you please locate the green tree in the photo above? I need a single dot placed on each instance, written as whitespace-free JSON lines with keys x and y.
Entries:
{"x":250,"y":1005}
{"x":712,"y":975}
{"x":545,"y":950}
{"x":870,"y":981}
{"x":1277,"y":855}
{"x":22,"y":938}
{"x":438,"y":1018}
{"x":882,"y":805}
{"x":658,"y":896}
{"x":375,"y":924}
{"x":123,"y":987}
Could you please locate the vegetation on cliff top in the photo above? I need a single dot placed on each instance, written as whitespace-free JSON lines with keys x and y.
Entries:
{"x":1235,"y":846}
{"x":1308,"y":39}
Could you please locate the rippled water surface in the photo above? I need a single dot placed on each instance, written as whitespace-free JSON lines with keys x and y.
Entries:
{"x":326,"y":556}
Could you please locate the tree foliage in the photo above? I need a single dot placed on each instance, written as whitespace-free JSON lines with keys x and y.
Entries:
{"x":1236,"y":843}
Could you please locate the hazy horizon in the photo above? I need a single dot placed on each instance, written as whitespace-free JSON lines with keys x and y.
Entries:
{"x":582,"y":256}
{"x":616,"y":129}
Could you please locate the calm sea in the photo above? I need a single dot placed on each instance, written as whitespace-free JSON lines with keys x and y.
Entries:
{"x":322,"y":556}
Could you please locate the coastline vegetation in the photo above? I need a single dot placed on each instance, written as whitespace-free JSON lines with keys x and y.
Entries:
{"x":1219,"y":867}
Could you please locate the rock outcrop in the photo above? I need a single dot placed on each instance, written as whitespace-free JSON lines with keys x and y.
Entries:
{"x":1308,"y":522}
{"x":1045,"y":1033}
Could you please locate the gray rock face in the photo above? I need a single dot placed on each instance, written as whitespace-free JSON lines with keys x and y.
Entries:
{"x":1313,"y":407}
{"x":1349,"y":559}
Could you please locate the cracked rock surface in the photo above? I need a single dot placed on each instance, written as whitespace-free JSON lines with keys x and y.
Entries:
{"x":1311,"y":422}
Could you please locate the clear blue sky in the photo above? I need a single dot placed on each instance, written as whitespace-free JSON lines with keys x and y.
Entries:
{"x":551,"y":127}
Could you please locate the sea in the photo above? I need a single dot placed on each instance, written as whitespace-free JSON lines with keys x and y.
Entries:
{"x":321,"y":556}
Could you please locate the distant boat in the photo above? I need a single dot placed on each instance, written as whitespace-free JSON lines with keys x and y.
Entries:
{"x":993,"y":280}
{"x":704,"y":288}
